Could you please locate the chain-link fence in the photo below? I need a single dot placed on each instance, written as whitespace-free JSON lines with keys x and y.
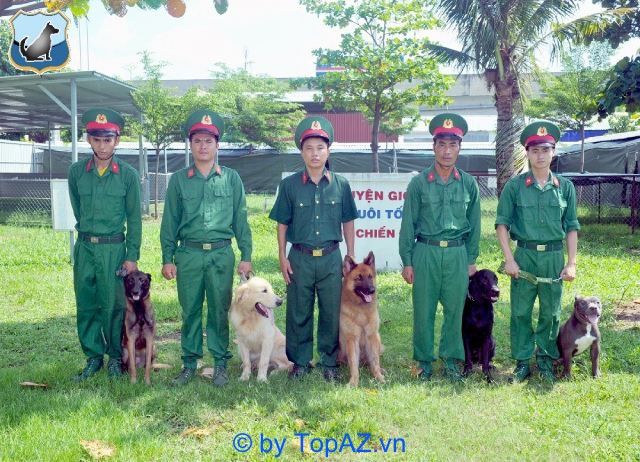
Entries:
{"x":602,"y":198}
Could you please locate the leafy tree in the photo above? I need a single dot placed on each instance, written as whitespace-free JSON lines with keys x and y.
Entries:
{"x":571,"y":99}
{"x":254,"y":108}
{"x":501,"y":40}
{"x":621,"y":123}
{"x":388,"y":71}
{"x":163,"y":113}
{"x":627,"y":27}
{"x":623,"y":88}
{"x":80,"y":8}
{"x":6,"y":37}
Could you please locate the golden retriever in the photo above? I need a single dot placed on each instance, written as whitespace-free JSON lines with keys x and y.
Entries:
{"x":260,"y":342}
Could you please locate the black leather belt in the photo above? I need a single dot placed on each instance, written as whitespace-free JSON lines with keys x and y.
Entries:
{"x":455,"y":243}
{"x":115,"y":239}
{"x":546,"y":247}
{"x":316,"y":252}
{"x":207,"y":245}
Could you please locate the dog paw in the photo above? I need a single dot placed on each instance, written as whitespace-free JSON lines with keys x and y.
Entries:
{"x":353,"y":383}
{"x":262,"y":378}
{"x":245,"y":376}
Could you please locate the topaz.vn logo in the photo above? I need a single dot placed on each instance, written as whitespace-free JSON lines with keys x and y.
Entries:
{"x":39,"y":41}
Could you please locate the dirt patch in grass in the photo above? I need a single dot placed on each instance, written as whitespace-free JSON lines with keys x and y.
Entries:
{"x":627,"y":314}
{"x":168,"y":337}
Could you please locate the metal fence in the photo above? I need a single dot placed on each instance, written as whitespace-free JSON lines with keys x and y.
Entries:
{"x":601,"y":198}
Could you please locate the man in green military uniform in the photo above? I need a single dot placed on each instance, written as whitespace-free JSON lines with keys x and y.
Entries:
{"x":538,"y":210}
{"x":311,"y":208}
{"x":439,"y":237}
{"x":105,"y":195}
{"x":204,"y":208}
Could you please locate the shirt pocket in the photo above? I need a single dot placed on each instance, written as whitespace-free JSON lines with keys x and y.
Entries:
{"x":460,"y":204}
{"x":332,"y":206}
{"x":302,"y":218}
{"x":555,"y":207}
{"x":431,"y":209}
{"x":222,"y":199}
{"x":85,"y":191}
{"x":527,"y":209}
{"x":191,"y":202}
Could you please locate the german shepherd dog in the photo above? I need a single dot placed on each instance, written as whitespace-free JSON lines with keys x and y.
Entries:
{"x":40,"y":46}
{"x":138,"y":347}
{"x":359,"y":319}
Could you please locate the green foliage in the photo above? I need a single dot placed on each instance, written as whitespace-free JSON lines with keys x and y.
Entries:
{"x":627,"y":27}
{"x":623,"y":88}
{"x":571,"y":98}
{"x":621,"y":123}
{"x":388,"y":71}
{"x":6,"y":37}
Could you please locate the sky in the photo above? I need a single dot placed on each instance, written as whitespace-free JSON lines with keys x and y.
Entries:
{"x":269,"y":37}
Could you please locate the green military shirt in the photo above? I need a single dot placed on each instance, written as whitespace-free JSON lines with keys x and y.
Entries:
{"x":203,"y":209}
{"x":102,"y":204}
{"x":441,"y":211}
{"x":538,"y":214}
{"x":314,"y":213}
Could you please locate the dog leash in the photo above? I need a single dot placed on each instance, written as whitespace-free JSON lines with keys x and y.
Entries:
{"x":532,"y":278}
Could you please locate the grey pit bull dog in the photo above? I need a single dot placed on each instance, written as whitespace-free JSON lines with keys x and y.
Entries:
{"x":581,"y":332}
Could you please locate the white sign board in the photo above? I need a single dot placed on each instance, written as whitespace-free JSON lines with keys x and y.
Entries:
{"x":379,"y":199}
{"x":61,"y":211}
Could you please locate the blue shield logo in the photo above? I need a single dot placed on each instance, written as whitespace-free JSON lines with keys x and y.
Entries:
{"x":40,"y":41}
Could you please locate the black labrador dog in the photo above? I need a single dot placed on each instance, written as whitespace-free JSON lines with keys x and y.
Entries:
{"x":477,"y":322}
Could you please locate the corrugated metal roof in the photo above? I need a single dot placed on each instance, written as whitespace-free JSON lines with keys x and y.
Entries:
{"x":25,"y":104}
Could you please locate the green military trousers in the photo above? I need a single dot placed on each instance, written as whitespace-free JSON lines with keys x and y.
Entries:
{"x":440,"y":275}
{"x":100,"y":297}
{"x":523,"y":296}
{"x":311,"y":275}
{"x":203,"y":272}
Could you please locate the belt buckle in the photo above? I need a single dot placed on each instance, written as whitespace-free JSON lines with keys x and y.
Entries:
{"x":316,"y":252}
{"x":94,"y":239}
{"x":206,"y":246}
{"x":541,"y":247}
{"x":444,"y":244}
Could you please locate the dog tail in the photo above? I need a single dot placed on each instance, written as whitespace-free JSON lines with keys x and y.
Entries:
{"x":23,"y":48}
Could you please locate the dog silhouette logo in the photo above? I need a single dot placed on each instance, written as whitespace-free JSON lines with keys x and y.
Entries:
{"x":40,"y":42}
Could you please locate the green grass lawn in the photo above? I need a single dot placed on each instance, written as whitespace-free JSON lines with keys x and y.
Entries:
{"x":581,"y":419}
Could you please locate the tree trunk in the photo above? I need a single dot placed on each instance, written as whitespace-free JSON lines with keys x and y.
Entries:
{"x":510,"y":157}
{"x":155,"y":199}
{"x":374,"y":142}
{"x":582,"y":148}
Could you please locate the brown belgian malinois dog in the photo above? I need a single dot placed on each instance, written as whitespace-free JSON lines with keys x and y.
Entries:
{"x":138,"y":334}
{"x":359,"y":319}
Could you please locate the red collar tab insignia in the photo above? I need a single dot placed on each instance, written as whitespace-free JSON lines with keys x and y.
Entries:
{"x":89,"y":165}
{"x":218,"y":169}
{"x":101,"y":119}
{"x":542,"y":131}
{"x":115,"y":168}
{"x":528,"y":181}
{"x":190,"y":173}
{"x":206,"y":120}
{"x":305,"y":177}
{"x":556,"y":182}
{"x":431,"y":177}
{"x":456,"y":175}
{"x":315,"y":125}
{"x":448,"y":123}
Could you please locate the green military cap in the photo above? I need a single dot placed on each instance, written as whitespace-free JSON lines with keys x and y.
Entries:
{"x":206,"y":121}
{"x":540,"y":133}
{"x":102,"y":121}
{"x":448,"y":124}
{"x":315,"y":126}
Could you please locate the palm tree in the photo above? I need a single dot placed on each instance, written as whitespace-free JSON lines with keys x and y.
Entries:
{"x":502,"y":39}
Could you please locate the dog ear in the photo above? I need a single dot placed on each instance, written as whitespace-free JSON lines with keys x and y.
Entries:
{"x":348,"y":265}
{"x":370,"y":259}
{"x":240,"y":293}
{"x":149,"y":276}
